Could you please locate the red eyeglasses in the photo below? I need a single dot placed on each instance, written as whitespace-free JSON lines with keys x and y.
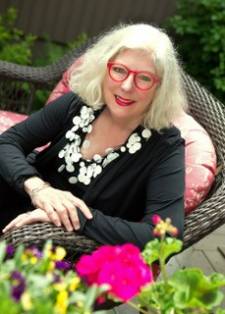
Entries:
{"x":143,"y":80}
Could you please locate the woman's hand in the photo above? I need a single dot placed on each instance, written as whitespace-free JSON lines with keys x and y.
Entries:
{"x":60,"y":206}
{"x":37,"y":215}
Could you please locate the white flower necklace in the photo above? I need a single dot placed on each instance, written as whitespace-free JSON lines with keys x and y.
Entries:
{"x":81,"y":170}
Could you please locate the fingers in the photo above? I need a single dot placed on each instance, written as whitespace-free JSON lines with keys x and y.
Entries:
{"x":52,"y":214}
{"x":12,"y":223}
{"x":61,"y":207}
{"x":82,"y":206}
{"x":36,"y":215}
{"x":70,"y":213}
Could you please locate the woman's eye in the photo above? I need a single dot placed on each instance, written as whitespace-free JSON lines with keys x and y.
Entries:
{"x":145,"y":78}
{"x":119,"y":70}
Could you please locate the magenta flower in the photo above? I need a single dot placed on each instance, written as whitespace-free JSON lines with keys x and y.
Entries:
{"x":122,"y":267}
{"x":156,"y":219}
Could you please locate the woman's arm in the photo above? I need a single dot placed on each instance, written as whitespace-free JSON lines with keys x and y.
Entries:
{"x":164,"y":196}
{"x":18,"y":141}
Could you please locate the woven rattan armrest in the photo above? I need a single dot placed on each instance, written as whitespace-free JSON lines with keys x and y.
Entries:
{"x":41,"y":76}
{"x":15,"y":96}
{"x":37,"y":234}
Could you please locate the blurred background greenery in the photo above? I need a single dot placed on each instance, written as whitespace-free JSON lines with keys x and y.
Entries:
{"x":198,"y":28}
{"x":18,"y":47}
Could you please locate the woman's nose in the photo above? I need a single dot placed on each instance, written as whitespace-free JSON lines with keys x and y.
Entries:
{"x":128,"y":83}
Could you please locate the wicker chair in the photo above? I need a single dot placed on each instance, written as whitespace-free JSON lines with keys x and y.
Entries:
{"x":203,"y":106}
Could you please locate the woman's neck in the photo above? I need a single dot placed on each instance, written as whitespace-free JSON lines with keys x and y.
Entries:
{"x":123,"y":124}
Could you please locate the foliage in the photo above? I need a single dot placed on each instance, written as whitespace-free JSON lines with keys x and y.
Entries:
{"x":40,"y":282}
{"x":18,"y":48}
{"x":199,"y":32}
{"x":52,"y":52}
{"x":15,"y":46}
{"x":186,"y":291}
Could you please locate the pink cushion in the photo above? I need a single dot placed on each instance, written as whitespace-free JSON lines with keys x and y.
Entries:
{"x":8,"y":119}
{"x":63,"y":86}
{"x":200,"y":161}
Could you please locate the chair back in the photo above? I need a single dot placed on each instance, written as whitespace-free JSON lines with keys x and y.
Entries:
{"x":210,"y":113}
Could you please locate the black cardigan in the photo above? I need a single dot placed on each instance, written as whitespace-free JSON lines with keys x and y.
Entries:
{"x":127,"y":192}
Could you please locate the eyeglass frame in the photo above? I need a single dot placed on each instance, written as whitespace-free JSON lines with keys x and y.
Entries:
{"x":155,"y":78}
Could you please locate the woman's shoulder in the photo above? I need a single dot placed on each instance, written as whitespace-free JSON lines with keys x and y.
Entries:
{"x":71,"y":101}
{"x":170,"y":136}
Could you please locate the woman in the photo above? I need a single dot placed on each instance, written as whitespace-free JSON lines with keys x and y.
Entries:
{"x":115,"y":158}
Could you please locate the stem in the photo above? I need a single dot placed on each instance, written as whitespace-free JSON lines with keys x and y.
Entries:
{"x":162,"y":261}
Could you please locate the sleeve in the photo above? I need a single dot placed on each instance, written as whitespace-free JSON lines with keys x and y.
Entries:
{"x":164,"y":196}
{"x":20,"y":140}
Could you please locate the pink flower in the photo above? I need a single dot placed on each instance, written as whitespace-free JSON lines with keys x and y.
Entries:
{"x":156,"y":219}
{"x":122,"y":267}
{"x":163,"y":226}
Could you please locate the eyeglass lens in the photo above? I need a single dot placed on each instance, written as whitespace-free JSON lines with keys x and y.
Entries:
{"x":143,"y":80}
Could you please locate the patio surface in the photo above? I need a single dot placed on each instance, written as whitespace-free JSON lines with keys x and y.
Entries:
{"x":208,"y":254}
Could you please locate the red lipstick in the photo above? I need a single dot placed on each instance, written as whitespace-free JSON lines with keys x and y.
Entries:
{"x":123,"y":102}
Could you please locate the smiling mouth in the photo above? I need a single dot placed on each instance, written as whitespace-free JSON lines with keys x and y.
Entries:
{"x":123,"y":102}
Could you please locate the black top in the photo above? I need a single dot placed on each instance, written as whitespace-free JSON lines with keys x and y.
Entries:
{"x":124,"y":196}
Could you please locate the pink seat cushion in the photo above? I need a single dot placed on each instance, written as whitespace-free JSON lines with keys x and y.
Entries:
{"x":8,"y":119}
{"x":200,"y":161}
{"x":63,"y":86}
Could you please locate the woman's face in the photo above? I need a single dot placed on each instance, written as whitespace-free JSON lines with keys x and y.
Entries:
{"x":124,"y":99}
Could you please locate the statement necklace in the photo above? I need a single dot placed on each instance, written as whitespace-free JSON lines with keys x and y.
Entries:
{"x":81,"y":170}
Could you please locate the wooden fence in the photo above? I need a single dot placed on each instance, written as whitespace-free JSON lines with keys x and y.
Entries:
{"x":63,"y":20}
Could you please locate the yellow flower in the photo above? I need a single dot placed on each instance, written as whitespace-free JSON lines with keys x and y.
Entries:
{"x":26,"y":301}
{"x":59,"y":286}
{"x":33,"y":260}
{"x":51,"y":266}
{"x":61,"y":302}
{"x":74,"y":283}
{"x":59,"y":254}
{"x":24,"y":257}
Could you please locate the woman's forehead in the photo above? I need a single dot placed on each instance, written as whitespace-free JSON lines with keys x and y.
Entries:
{"x":136,"y":58}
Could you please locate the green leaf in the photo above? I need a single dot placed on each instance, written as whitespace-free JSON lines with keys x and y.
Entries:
{"x":151,"y":251}
{"x":156,"y":249}
{"x":2,"y":251}
{"x":220,"y":311}
{"x":169,"y":247}
{"x":194,"y":289}
{"x":200,"y":24}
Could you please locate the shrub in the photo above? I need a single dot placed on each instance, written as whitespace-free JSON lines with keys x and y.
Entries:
{"x":198,"y":27}
{"x":15,"y":46}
